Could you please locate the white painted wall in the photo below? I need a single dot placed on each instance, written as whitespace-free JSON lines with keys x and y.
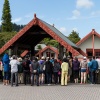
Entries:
{"x":88,"y":43}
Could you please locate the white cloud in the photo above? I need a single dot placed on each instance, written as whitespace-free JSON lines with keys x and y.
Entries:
{"x":84,"y":3}
{"x":16,"y":20}
{"x":63,"y":30}
{"x":76,"y":14}
{"x":96,"y":13}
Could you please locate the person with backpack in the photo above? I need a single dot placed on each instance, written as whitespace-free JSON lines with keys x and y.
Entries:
{"x":42,"y":70}
{"x":48,"y":69}
{"x":34,"y":69}
{"x":56,"y":68}
{"x":20,"y":71}
{"x":64,"y":73}
{"x":83,"y":66}
{"x":6,"y":68}
{"x":76,"y":68}
{"x":26,"y":69}
{"x":14,"y":70}
{"x":93,"y":68}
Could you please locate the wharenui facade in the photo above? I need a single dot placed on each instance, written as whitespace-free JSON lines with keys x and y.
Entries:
{"x":34,"y":32}
{"x":90,"y":44}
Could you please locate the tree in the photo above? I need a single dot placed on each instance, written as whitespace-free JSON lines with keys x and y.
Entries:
{"x":6,"y":18}
{"x":39,"y":47}
{"x":50,"y":42}
{"x":74,"y":37}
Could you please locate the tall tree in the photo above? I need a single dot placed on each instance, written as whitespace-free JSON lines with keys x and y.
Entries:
{"x":6,"y":17}
{"x":74,"y":37}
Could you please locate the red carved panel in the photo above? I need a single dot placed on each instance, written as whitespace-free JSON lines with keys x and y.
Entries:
{"x":24,"y":53}
{"x":48,"y":47}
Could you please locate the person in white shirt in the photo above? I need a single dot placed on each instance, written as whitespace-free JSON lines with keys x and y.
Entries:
{"x":14,"y":70}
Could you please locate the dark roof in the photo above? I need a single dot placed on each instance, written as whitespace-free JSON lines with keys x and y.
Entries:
{"x":59,"y":34}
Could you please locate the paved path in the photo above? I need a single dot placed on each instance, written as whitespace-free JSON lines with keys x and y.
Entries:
{"x":70,"y":92}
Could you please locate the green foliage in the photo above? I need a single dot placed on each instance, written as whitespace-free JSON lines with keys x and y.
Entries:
{"x":6,"y":18}
{"x":5,"y":36}
{"x":16,"y":27}
{"x":39,"y":47}
{"x":50,"y":42}
{"x":74,"y":37}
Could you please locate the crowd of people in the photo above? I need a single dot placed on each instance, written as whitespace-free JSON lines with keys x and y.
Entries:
{"x":34,"y":71}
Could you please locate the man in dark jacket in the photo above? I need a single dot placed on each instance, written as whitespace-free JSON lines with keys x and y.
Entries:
{"x":35,"y":71}
{"x":93,"y":68}
{"x":48,"y":70}
{"x":26,"y":69}
{"x":76,"y":65}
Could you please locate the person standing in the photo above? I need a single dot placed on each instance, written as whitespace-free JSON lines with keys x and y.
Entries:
{"x":64,"y":72}
{"x":76,"y":65}
{"x":14,"y":70}
{"x":98,"y":71}
{"x":89,"y":69}
{"x":42,"y":70}
{"x":6,"y":68}
{"x":20,"y":71}
{"x":48,"y":69}
{"x":56,"y":68}
{"x":1,"y":69}
{"x":93,"y":68}
{"x":83,"y":66}
{"x":34,"y":68}
{"x":26,"y":69}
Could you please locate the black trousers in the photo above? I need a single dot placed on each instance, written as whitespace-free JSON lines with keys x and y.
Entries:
{"x":55,"y":77}
{"x":1,"y":76}
{"x":26,"y":75}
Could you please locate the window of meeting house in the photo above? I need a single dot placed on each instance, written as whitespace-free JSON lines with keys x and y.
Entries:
{"x":52,"y":55}
{"x":48,"y":54}
{"x":97,"y":53}
{"x":90,"y":54}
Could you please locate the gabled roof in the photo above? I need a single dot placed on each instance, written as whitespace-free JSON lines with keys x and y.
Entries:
{"x":46,"y":48}
{"x":24,"y":37}
{"x":93,"y":32}
{"x":60,"y":34}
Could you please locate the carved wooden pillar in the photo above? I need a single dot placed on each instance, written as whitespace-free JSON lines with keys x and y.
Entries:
{"x":15,"y":50}
{"x":93,"y":44}
{"x":10,"y":52}
{"x":70,"y":54}
{"x":32,"y":51}
{"x":40,"y":55}
{"x":61,"y":51}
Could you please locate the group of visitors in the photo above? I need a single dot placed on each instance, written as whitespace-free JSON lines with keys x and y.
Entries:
{"x":15,"y":70}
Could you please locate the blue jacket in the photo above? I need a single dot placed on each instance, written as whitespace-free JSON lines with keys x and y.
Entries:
{"x":93,"y":65}
{"x":6,"y":62}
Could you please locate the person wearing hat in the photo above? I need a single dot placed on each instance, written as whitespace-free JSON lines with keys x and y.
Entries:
{"x":20,"y":71}
{"x":14,"y":70}
{"x":84,"y":67}
{"x":42,"y":70}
